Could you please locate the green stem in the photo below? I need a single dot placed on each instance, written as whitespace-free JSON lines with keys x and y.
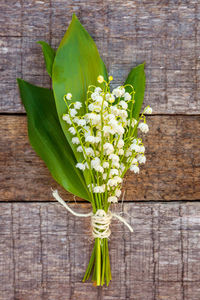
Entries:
{"x":94,"y":273}
{"x":108,"y":271}
{"x":103,"y":262}
{"x":90,"y":265}
{"x":98,"y":261}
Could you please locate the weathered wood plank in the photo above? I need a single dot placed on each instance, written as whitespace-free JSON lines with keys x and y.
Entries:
{"x":172,"y":171}
{"x":44,"y":251}
{"x":165,"y":34}
{"x":14,"y":63}
{"x":25,"y":18}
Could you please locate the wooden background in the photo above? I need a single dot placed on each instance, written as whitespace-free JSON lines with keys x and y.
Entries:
{"x":43,"y":249}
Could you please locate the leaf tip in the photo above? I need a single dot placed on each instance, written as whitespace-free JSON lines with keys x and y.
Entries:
{"x":74,"y":16}
{"x":40,"y":42}
{"x":19,"y":80}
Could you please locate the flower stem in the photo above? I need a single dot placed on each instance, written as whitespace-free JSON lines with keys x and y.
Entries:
{"x":98,"y":261}
{"x":108,"y":271}
{"x":90,"y":265}
{"x":103,"y":262}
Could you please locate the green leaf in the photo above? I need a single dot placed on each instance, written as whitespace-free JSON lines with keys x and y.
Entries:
{"x":49,"y":55}
{"x":77,"y":65}
{"x":48,"y":140}
{"x":136,"y":78}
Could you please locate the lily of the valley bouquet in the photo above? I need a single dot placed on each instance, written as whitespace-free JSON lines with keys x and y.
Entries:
{"x":86,"y":133}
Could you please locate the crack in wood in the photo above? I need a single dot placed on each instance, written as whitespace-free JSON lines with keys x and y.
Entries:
{"x":41,"y":252}
{"x":153,"y":256}
{"x":13,"y":251}
{"x":182,"y":255}
{"x":126,"y":279}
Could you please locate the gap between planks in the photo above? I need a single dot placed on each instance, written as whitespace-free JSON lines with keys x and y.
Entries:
{"x":18,"y":114}
{"x":119,"y":202}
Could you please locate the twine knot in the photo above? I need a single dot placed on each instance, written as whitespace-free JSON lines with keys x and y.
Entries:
{"x":100,"y":221}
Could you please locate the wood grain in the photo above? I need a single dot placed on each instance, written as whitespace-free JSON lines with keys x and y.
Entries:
{"x":165,"y":34}
{"x":44,"y":251}
{"x":172,"y":171}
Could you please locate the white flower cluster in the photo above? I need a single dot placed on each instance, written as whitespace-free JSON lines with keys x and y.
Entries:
{"x":106,"y":137}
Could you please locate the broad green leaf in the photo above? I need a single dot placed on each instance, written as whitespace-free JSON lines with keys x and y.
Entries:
{"x":48,"y":140}
{"x":136,"y":78}
{"x":77,"y":65}
{"x":49,"y":55}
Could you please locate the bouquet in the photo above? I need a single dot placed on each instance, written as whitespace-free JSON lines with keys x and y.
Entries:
{"x":86,"y":133}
